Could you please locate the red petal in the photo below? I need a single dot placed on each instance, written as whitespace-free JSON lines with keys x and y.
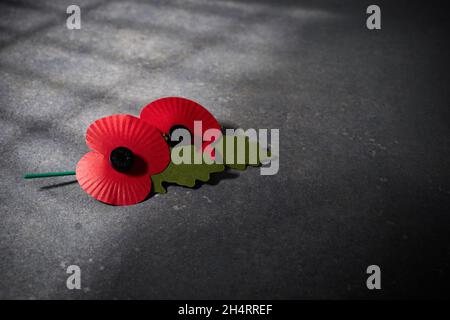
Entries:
{"x":123,"y":130}
{"x":166,"y":113}
{"x":101,"y":181}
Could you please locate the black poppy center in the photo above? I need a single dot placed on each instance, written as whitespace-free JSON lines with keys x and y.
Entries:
{"x":174,"y":143}
{"x":121,"y":159}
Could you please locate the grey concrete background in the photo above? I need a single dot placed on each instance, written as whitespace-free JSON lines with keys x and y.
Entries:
{"x":364,"y":122}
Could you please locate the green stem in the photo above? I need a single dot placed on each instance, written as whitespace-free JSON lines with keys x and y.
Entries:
{"x":48,"y":174}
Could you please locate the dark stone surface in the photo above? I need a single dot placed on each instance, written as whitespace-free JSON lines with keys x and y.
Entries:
{"x":364,"y":173}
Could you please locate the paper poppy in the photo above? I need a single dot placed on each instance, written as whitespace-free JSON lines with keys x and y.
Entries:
{"x":126,"y":151}
{"x":168,"y":114}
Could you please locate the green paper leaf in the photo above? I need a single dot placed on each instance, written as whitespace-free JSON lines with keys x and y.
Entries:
{"x":184,"y":174}
{"x":188,"y":174}
{"x":254,"y":159}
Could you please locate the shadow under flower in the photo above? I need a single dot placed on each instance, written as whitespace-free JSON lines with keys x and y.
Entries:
{"x":57,"y":185}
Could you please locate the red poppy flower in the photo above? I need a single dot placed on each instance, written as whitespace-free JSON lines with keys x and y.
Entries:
{"x":171,"y":113}
{"x":126,"y":152}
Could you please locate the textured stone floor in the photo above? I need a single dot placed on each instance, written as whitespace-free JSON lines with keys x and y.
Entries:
{"x":364,"y":126}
